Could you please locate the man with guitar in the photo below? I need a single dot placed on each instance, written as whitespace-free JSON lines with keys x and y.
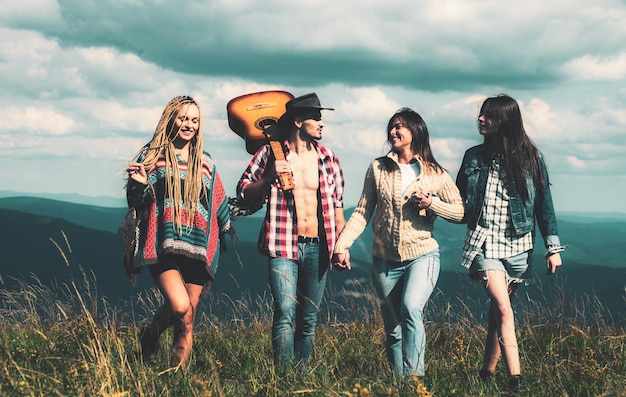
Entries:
{"x":301,"y":225}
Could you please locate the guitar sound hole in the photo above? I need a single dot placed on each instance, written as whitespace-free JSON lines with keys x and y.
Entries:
{"x":265,"y":123}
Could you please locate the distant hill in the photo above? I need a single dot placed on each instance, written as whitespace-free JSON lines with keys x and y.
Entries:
{"x":34,"y":227}
{"x":602,"y":242}
{"x":592,"y":217}
{"x":101,"y":201}
{"x":55,"y":249}
{"x":90,"y":216}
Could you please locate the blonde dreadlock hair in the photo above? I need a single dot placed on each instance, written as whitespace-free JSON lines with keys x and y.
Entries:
{"x":163,"y":143}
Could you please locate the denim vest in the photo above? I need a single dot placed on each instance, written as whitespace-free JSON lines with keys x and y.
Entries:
{"x":472,"y":183}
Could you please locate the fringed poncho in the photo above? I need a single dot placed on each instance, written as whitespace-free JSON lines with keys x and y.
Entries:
{"x":156,"y":232}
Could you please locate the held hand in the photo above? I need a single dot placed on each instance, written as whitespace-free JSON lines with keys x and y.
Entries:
{"x":421,"y":199}
{"x":272,"y":172}
{"x":269,"y":176}
{"x":346,"y":261}
{"x":342,"y":261}
{"x":282,"y":166}
{"x":137,"y":173}
{"x":553,"y":262}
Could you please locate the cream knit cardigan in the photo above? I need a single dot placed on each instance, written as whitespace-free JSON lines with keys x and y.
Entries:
{"x":400,"y":233}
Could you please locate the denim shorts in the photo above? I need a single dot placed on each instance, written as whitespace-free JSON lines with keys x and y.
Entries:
{"x":516,"y":267}
{"x":192,"y":271}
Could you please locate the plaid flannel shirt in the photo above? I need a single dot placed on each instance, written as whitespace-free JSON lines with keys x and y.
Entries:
{"x":278,"y":237}
{"x":494,"y":232}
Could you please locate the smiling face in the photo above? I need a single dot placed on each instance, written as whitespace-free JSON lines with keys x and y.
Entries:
{"x":187,"y":123}
{"x":399,"y":135}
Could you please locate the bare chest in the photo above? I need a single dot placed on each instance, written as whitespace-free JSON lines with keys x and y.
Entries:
{"x":305,"y":171}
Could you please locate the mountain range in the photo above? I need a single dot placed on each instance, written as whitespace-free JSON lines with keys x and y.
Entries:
{"x":50,"y":241}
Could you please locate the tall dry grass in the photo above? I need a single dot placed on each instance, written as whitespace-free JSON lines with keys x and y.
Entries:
{"x":65,"y":340}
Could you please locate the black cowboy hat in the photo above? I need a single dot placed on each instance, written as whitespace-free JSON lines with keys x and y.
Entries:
{"x":304,"y":102}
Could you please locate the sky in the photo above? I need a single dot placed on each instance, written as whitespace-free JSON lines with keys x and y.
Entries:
{"x":83,"y":82}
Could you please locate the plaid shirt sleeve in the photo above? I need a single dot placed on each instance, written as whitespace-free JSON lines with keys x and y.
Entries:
{"x":337,"y":173}
{"x":331,"y":193}
{"x":254,"y":171}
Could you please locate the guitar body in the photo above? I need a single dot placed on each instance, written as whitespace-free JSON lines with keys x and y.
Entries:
{"x":251,"y":115}
{"x":254,"y":117}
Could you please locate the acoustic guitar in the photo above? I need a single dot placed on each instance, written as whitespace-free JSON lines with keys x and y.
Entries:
{"x":254,"y":118}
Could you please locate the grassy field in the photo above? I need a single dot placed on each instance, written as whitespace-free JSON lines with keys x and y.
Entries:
{"x":65,"y":341}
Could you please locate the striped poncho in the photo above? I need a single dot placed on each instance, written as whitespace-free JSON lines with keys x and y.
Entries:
{"x":157,"y":234}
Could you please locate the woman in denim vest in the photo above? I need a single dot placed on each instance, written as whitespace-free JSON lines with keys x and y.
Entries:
{"x":505,"y":189}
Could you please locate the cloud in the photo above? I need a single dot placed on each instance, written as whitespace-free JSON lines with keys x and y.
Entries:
{"x":438,"y":45}
{"x":114,"y":118}
{"x":589,"y":67}
{"x":30,"y":14}
{"x":37,"y":120}
{"x":84,"y":83}
{"x":370,"y":103}
{"x":540,"y":120}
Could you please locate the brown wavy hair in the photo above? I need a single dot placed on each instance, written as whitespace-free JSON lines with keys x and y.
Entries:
{"x":419,"y":131}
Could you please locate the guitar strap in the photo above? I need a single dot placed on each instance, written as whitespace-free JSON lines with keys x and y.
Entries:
{"x":277,"y":149}
{"x":285,"y":179}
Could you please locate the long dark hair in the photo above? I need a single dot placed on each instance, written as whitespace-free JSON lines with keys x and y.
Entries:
{"x":521,"y":156}
{"x":421,"y":141}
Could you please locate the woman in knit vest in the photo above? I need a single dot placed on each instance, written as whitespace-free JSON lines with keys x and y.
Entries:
{"x":183,"y":212}
{"x":404,"y":192}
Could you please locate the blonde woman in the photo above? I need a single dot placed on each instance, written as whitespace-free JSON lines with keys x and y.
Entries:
{"x":183,"y":212}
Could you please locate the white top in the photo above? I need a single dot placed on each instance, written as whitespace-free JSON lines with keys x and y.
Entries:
{"x":409,"y":173}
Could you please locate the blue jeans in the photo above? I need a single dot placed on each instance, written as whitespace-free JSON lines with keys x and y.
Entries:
{"x":297,"y":288}
{"x":404,"y":289}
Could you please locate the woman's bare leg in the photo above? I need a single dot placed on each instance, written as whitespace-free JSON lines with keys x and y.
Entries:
{"x":501,"y":338}
{"x":179,"y":310}
{"x":183,"y":328}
